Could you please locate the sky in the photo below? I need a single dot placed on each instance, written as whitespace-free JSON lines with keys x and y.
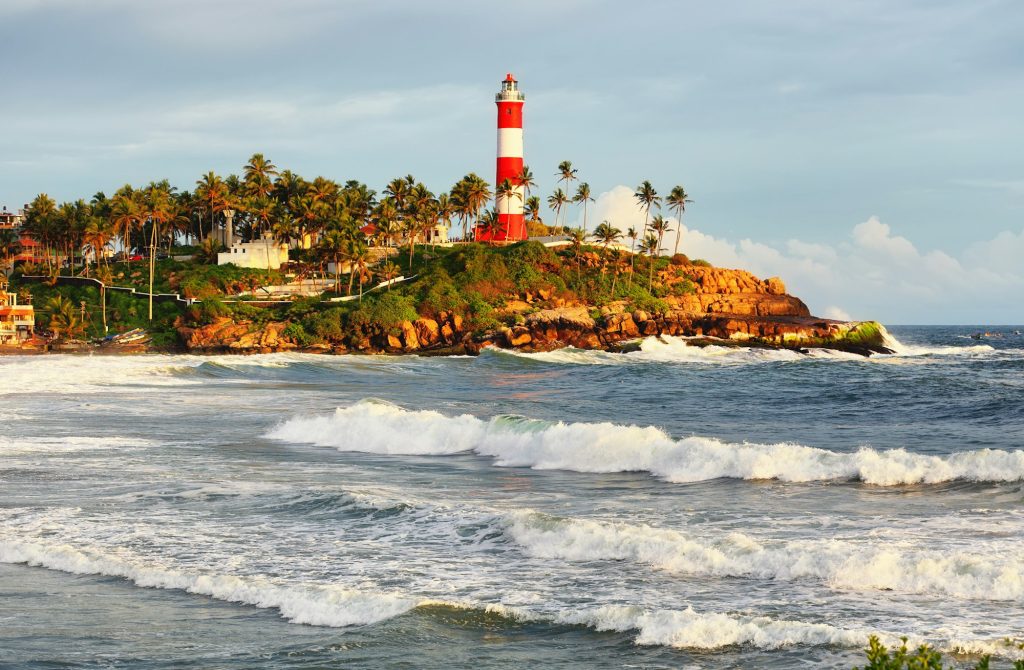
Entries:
{"x":870,"y":153}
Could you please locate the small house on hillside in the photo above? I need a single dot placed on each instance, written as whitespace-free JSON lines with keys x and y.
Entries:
{"x":17,"y":322}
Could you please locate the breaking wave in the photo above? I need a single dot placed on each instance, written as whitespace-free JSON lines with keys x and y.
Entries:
{"x":842,"y":564}
{"x":381,"y":428}
{"x":318,"y":605}
{"x":339,"y":607}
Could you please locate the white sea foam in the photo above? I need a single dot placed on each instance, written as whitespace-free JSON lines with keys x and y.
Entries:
{"x":841,"y":563}
{"x":377,"y":427}
{"x":693,"y":630}
{"x":337,"y":606}
{"x":679,"y":350}
{"x":71,"y":443}
{"x":318,"y":605}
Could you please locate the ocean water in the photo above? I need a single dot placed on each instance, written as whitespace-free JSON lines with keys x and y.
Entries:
{"x":672,"y":508}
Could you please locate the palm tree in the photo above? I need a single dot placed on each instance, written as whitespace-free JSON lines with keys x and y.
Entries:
{"x":158,"y":209}
{"x":125,"y":217}
{"x":576,"y":239}
{"x":532,"y":208}
{"x":647,"y":197}
{"x":566,"y":173}
{"x":64,"y":318}
{"x":632,"y":235}
{"x":358,"y":256}
{"x":258,"y":172}
{"x":650,"y":246}
{"x":606,"y":234}
{"x":40,"y":222}
{"x":524,"y":179}
{"x":489,"y":225}
{"x":660,"y":225}
{"x":212,"y":192}
{"x":444,"y":210}
{"x":583,"y":196}
{"x":10,"y":246}
{"x":333,"y":245}
{"x":676,"y":201}
{"x":388,"y":271}
{"x":97,"y":236}
{"x":506,"y":191}
{"x":556,"y":201}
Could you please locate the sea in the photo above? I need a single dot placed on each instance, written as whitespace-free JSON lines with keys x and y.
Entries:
{"x":675,"y":507}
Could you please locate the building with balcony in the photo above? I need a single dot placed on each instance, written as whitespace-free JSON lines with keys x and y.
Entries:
{"x":17,"y":322}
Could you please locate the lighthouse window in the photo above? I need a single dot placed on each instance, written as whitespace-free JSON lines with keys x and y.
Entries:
{"x":509,"y":111}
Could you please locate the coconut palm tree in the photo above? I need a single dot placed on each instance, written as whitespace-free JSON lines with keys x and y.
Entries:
{"x":650,"y":246}
{"x":488,"y":224}
{"x":583,"y":197}
{"x":576,"y":239}
{"x":566,"y":173}
{"x":556,"y":201}
{"x":660,"y":226}
{"x":647,"y":197}
{"x":388,"y":271}
{"x":10,"y":246}
{"x":524,"y":179}
{"x":358,"y":256}
{"x":532,"y":208}
{"x":606,"y":234}
{"x":633,"y":236}
{"x":333,"y":245}
{"x":257,"y":174}
{"x":157,"y":209}
{"x":125,"y":216}
{"x":507,"y":191}
{"x":676,"y":201}
{"x":41,"y":223}
{"x":444,"y":210}
{"x":97,"y":236}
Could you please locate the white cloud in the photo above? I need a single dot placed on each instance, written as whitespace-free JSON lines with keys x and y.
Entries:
{"x":880,"y":275}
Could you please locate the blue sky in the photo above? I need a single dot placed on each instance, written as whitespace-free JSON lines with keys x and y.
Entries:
{"x":869,"y":153}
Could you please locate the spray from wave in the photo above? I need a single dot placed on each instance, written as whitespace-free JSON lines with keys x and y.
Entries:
{"x":377,"y":427}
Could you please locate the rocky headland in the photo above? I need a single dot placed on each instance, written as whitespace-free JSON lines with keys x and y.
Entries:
{"x":710,"y":305}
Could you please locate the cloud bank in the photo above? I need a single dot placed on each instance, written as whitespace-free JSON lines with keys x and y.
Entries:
{"x":873,"y":273}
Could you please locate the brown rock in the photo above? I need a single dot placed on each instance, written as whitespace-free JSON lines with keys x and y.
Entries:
{"x":409,"y":337}
{"x":427,"y":332}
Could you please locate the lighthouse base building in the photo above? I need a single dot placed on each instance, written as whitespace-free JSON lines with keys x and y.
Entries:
{"x":509,"y":207}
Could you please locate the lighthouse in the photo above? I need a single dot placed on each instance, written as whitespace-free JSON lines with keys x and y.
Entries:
{"x":510,"y":163}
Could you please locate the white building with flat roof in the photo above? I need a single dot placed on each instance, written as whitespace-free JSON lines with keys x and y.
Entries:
{"x":265,"y":253}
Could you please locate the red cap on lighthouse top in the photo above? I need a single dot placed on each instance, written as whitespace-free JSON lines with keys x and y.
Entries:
{"x":509,"y":77}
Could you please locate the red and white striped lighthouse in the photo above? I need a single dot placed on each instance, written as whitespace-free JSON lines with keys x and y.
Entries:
{"x":510,"y":162}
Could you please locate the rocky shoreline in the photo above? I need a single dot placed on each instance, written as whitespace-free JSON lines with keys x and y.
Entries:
{"x":718,"y":306}
{"x":727,"y":307}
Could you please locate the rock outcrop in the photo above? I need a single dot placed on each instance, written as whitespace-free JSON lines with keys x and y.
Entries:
{"x":730,"y":306}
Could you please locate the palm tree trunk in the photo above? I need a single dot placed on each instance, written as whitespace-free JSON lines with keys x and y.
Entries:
{"x":152,"y":267}
{"x":679,"y":232}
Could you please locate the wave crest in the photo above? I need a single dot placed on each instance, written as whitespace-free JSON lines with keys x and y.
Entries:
{"x":382,"y":428}
{"x":841,"y":564}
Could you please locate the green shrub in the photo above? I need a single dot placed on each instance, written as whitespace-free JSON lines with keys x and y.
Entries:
{"x":325,"y":326}
{"x":298,"y":334}
{"x":701,"y":263}
{"x":383,"y":310}
{"x":922,"y":658}
{"x":206,"y":312}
